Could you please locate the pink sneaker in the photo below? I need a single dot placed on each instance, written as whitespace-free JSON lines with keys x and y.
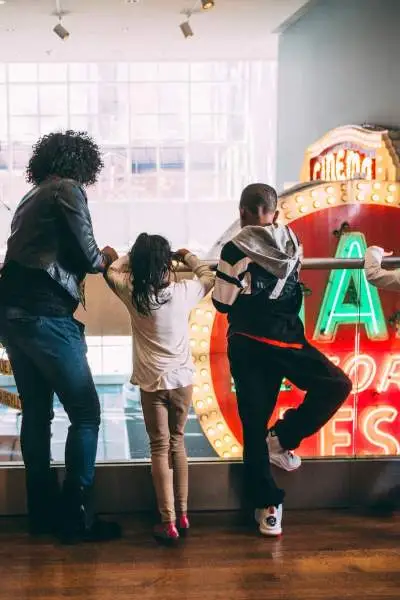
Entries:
{"x":166,"y":533}
{"x":183,"y":525}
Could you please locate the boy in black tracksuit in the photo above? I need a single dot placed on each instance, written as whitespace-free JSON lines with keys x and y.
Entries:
{"x":257,"y":285}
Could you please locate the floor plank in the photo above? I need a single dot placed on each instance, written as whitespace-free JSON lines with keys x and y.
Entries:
{"x":322,"y":555}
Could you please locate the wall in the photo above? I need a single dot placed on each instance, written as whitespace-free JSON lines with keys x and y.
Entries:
{"x":338,"y":65}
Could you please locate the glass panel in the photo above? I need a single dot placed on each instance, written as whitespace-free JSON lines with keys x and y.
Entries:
{"x":84,"y":123}
{"x":144,"y":127}
{"x":24,"y":129}
{"x":23,"y":100}
{"x":83,"y":99}
{"x":20,"y":157}
{"x":53,"y":72}
{"x":172,"y":127}
{"x":53,"y":99}
{"x":181,"y":132}
{"x":144,"y":173}
{"x":178,"y":71}
{"x":173,"y":98}
{"x":49,"y":124}
{"x":143,"y":98}
{"x":143,"y":71}
{"x":22,"y":72}
{"x":2,"y":72}
{"x":3,"y":113}
{"x":172,"y":173}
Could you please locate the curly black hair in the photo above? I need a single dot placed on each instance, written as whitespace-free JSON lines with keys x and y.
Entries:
{"x":69,"y":155}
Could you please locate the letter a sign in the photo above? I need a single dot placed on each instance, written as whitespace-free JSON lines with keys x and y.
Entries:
{"x":349,"y":298}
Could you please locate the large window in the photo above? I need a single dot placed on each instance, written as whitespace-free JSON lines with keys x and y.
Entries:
{"x":172,"y":133}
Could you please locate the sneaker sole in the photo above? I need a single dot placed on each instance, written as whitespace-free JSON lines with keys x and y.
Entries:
{"x":266,"y":533}
{"x":278,"y":464}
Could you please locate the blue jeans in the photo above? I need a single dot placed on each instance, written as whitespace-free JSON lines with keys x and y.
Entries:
{"x":47,"y":355}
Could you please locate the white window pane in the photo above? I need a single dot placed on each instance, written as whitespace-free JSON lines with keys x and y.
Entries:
{"x":24,"y":129}
{"x":84,"y":123}
{"x":95,"y":359}
{"x":20,"y":156}
{"x":143,"y":98}
{"x":172,"y":127}
{"x":23,"y":72}
{"x":3,"y":113}
{"x":3,"y":160}
{"x":49,"y":124}
{"x":52,"y":72}
{"x":2,"y":72}
{"x":53,"y":99}
{"x":83,"y":99}
{"x":117,"y":360}
{"x":113,"y":129}
{"x":201,"y":128}
{"x":143,"y":71}
{"x":208,"y":98}
{"x":172,"y":179}
{"x":144,"y":127}
{"x":83,"y":72}
{"x":23,"y":99}
{"x":144,"y":173}
{"x":177,"y":71}
{"x":173,"y":98}
{"x":113,"y":72}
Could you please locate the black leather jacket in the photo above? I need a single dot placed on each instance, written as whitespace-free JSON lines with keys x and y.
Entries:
{"x":52,"y":231}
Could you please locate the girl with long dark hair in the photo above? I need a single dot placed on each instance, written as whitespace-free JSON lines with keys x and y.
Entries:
{"x":159,"y":307}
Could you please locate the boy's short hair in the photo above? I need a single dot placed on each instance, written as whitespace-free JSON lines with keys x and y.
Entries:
{"x":259,"y":195}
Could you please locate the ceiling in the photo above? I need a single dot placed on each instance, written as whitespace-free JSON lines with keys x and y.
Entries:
{"x":143,"y":30}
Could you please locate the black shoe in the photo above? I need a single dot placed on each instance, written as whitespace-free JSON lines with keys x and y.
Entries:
{"x":78,"y":522}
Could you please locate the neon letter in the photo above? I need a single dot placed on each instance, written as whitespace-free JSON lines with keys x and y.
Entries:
{"x":331,"y":438}
{"x":352,"y":368}
{"x":364,"y":308}
{"x":391,"y":373}
{"x":371,"y":418}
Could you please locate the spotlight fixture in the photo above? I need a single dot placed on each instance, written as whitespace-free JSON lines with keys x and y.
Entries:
{"x":186,"y":29}
{"x":207,"y":4}
{"x":60,"y":30}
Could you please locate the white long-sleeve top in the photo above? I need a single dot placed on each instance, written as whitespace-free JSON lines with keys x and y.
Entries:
{"x":376,"y":275}
{"x":162,"y":358}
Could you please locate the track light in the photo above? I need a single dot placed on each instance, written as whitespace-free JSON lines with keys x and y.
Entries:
{"x":207,"y":4}
{"x":60,"y":30}
{"x":186,"y":29}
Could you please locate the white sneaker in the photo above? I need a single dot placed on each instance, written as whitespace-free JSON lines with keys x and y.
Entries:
{"x":284,"y":459}
{"x":269,"y":520}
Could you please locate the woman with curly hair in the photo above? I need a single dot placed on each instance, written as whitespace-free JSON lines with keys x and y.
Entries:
{"x":49,"y":252}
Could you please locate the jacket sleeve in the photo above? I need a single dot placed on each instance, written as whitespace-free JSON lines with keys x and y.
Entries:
{"x":228,"y":282}
{"x":378,"y":277}
{"x":72,"y":203}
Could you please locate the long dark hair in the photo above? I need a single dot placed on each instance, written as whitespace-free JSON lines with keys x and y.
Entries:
{"x":150,"y":262}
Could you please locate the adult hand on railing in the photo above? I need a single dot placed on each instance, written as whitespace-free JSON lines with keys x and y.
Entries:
{"x":180,"y":254}
{"x":110,"y":255}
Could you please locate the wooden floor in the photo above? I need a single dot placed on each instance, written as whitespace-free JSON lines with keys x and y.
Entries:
{"x":330,"y":555}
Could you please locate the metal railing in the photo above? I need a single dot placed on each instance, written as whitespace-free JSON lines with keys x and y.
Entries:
{"x":314,"y":264}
